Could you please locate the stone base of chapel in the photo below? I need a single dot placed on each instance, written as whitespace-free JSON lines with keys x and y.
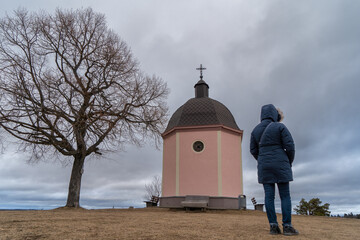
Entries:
{"x":214,"y":202}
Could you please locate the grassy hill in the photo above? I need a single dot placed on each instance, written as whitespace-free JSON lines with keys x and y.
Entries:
{"x":159,"y":223}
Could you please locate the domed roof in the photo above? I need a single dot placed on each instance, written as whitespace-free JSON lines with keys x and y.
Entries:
{"x":202,"y":110}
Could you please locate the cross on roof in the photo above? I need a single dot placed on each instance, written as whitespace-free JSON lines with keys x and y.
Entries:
{"x":201,"y":68}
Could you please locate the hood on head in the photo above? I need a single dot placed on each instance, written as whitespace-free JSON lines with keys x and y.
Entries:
{"x":269,"y":112}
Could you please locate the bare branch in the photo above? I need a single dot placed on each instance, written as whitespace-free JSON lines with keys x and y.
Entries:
{"x":69,"y":82}
{"x":153,"y":188}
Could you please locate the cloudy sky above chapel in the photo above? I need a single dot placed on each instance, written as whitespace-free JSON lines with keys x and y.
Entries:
{"x":301,"y":56}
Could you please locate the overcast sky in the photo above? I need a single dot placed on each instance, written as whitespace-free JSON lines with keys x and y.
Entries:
{"x":302,"y":56}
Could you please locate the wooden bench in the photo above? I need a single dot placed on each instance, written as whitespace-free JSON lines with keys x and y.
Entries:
{"x":195,"y":202}
{"x":257,"y":206}
{"x":153,"y":201}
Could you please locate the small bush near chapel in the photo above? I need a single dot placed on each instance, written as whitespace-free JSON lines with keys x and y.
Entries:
{"x":312,"y":207}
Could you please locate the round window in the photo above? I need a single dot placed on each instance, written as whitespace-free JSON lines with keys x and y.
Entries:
{"x":198,"y":146}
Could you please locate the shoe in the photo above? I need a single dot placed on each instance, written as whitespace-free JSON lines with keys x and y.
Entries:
{"x":274,"y":229}
{"x":290,"y":231}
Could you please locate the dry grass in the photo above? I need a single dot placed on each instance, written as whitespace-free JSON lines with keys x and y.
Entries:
{"x":163,"y":224}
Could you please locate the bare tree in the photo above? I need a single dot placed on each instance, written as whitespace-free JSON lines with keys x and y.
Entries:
{"x":153,"y":188}
{"x":70,"y":86}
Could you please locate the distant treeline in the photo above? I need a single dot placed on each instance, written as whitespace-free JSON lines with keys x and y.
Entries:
{"x":348,"y":215}
{"x":20,"y":209}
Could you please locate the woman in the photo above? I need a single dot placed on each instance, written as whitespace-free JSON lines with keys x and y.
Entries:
{"x":273,"y":148}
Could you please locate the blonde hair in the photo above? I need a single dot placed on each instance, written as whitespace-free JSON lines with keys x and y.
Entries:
{"x":281,"y":114}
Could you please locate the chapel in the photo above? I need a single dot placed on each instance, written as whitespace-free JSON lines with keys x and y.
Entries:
{"x":202,"y":153}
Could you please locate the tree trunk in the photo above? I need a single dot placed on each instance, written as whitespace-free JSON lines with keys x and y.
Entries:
{"x":73,"y":199}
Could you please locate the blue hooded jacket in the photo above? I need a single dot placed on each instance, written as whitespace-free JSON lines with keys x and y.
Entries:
{"x":275,"y":154}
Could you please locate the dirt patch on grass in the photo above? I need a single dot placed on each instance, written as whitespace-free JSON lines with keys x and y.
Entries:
{"x":159,"y":223}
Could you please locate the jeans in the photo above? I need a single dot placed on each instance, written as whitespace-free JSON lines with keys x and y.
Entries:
{"x":284,"y":192}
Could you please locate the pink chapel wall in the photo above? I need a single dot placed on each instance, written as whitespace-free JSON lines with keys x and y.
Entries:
{"x":232,"y":180}
{"x":202,"y":173}
{"x":169,"y":166}
{"x":198,"y":170}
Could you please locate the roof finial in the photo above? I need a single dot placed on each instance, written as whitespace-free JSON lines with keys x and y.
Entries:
{"x":201,"y":68}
